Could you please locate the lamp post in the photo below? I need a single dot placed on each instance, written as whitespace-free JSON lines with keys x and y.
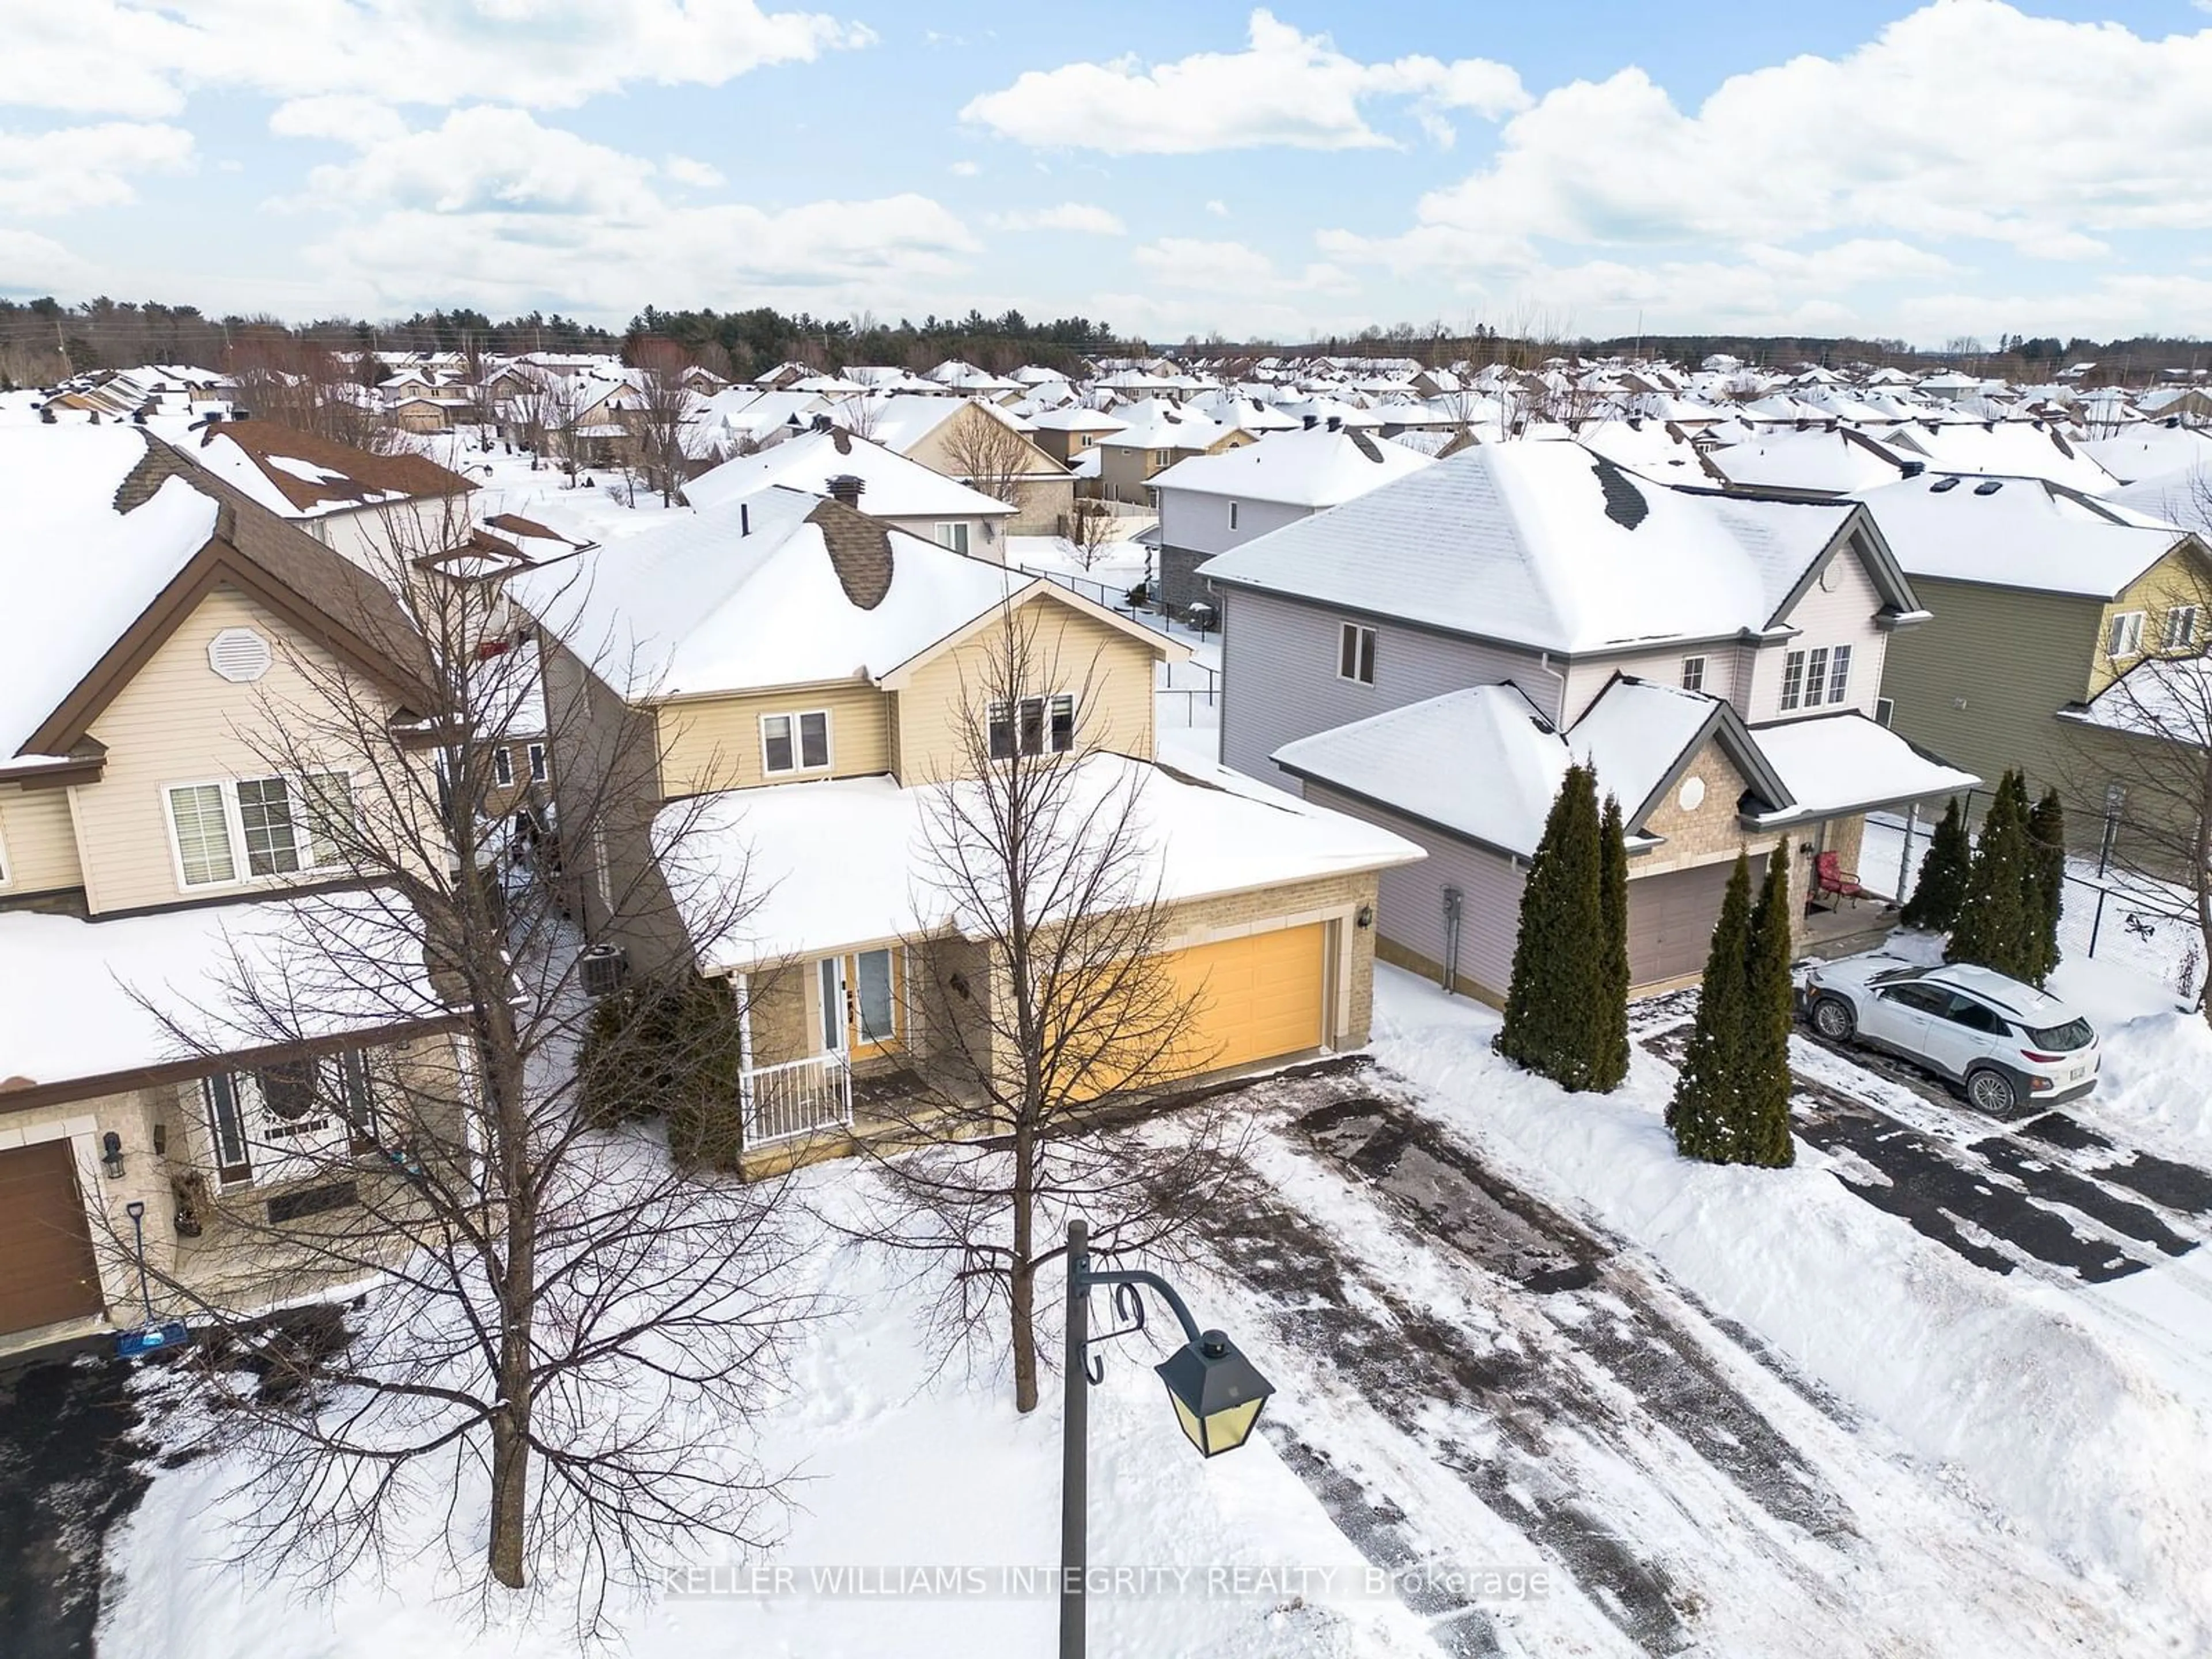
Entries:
{"x":1217,"y":1393}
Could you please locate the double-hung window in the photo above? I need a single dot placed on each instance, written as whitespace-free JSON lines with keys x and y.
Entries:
{"x":1035,"y":726}
{"x":1793,"y":679}
{"x":537,"y":762}
{"x":2181,"y":627}
{"x":1693,"y":673}
{"x":2124,"y":638}
{"x":795,"y":743}
{"x":1355,"y":654}
{"x":259,"y":827}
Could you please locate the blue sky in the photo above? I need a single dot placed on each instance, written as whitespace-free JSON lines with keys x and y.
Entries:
{"x":1924,"y":170}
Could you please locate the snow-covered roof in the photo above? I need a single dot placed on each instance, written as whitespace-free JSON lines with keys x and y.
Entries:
{"x":1835,"y":764}
{"x":1075,"y":418}
{"x":2165,"y":697}
{"x":845,"y":862}
{"x":1819,"y":461}
{"x":2009,"y":448}
{"x":1163,"y":426}
{"x":2183,"y":497}
{"x":2016,"y":532}
{"x":78,"y":991}
{"x":298,"y":474}
{"x":1549,"y":546}
{"x":752,"y":594}
{"x":1306,"y":467}
{"x":893,"y":487}
{"x":2150,"y":449}
{"x":75,"y":572}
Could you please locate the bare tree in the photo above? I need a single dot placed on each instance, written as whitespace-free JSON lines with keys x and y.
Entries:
{"x":657,"y":424}
{"x":569,"y":1331}
{"x":1091,"y":531}
{"x":298,"y":384}
{"x":988,"y":454}
{"x":861,"y":415}
{"x":534,"y":408}
{"x":1050,"y":1015}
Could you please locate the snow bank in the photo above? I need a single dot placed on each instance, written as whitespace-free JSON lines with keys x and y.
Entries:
{"x":2071,"y":1435}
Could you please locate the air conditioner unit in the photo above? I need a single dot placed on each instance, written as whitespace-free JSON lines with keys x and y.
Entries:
{"x":604,"y":967}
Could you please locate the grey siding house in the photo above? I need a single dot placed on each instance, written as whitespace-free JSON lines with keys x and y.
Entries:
{"x":1432,"y":655}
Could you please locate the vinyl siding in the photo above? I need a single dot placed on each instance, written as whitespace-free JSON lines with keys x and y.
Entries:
{"x":2177,"y":579}
{"x":1589,"y":676}
{"x":1845,"y":617}
{"x":180,"y":723}
{"x":1200,"y":523}
{"x":1279,"y":674}
{"x":1410,"y":911}
{"x":709,"y":743}
{"x":1117,"y":716}
{"x":1980,"y":684}
{"x":38,"y":842}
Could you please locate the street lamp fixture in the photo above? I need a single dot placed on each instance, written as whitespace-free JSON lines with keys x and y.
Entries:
{"x":1216,"y":1391}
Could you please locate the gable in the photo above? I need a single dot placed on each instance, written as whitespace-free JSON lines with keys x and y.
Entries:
{"x":1041,"y":592}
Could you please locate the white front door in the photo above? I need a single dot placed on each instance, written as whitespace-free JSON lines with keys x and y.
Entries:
{"x":279,"y":1123}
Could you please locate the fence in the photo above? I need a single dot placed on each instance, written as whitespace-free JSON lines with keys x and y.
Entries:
{"x":796,"y":1098}
{"x":2107,"y":914}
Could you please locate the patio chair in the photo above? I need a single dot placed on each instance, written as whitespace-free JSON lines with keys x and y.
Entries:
{"x":1830,"y":879}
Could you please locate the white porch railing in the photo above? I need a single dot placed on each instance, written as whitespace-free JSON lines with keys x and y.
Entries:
{"x":796,"y":1098}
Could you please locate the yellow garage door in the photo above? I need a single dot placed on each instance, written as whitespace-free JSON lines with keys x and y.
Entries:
{"x":1257,"y":997}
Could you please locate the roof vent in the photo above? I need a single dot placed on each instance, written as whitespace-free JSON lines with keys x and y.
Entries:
{"x":1624,"y":502}
{"x":1911,"y":469}
{"x":1336,"y":423}
{"x":1988,"y":487}
{"x":1312,"y":420}
{"x":846,"y":488}
{"x":823,"y":423}
{"x":240,"y":655}
{"x":1942,"y":484}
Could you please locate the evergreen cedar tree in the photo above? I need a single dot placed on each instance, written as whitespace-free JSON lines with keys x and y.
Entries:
{"x":2008,"y":920}
{"x":1566,"y":1009}
{"x":1611,"y":1061}
{"x":2046,"y":835}
{"x":1703,"y":1112}
{"x":1934,"y":902}
{"x":1731,"y":1102}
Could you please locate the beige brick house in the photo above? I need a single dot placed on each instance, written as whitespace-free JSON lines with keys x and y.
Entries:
{"x":151,"y":865}
{"x":806,"y":674}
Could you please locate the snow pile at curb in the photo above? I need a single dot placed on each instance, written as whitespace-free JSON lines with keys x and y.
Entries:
{"x":2072,"y":1437}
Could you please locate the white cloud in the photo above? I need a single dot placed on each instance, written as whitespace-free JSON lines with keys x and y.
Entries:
{"x":494,"y":209}
{"x":1068,"y":215}
{"x":342,"y":118}
{"x":964,"y":169}
{"x":32,"y":264}
{"x":1966,"y":120}
{"x":689,"y":170}
{"x":1218,"y":209}
{"x":68,"y":168}
{"x":1285,"y":89}
{"x":1193,"y":264}
{"x":144,"y":57}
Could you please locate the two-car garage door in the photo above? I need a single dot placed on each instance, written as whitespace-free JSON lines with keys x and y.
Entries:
{"x":47,"y":1273}
{"x":1256,"y":998}
{"x":1670,"y":919}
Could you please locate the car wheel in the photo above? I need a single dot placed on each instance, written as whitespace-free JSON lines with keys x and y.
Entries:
{"x":1990,"y":1090}
{"x":1833,"y":1019}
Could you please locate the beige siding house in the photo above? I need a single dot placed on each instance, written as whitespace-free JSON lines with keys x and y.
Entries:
{"x":163,"y":629}
{"x":799,"y":684}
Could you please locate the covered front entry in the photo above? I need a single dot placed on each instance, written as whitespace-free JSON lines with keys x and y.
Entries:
{"x":1671,"y":917}
{"x":48,"y":1271}
{"x":1258,"y":997}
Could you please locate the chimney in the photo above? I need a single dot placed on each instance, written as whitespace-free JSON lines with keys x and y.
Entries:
{"x":845,"y":489}
{"x":1336,"y":423}
{"x":822,"y":422}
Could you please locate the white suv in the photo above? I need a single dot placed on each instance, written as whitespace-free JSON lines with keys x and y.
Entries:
{"x":2008,"y":1044}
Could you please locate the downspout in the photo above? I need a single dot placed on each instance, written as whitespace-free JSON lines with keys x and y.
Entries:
{"x":1559,"y":702}
{"x":1451,"y":938}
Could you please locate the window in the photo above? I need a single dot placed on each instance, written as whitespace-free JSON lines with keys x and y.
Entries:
{"x":1693,"y":673}
{"x":2124,"y":637}
{"x":1161,"y":458}
{"x":203,"y":834}
{"x":1839,"y":673}
{"x":502,"y":766}
{"x":537,"y":762}
{"x":1816,"y":676}
{"x":270,"y":826}
{"x":1921,"y":998}
{"x":795,"y":743}
{"x":1355,"y":654}
{"x":954,"y":536}
{"x":859,"y":1011}
{"x":1232,"y":515}
{"x":1793,"y":679}
{"x":2181,"y":627}
{"x":1037,"y":724}
{"x":1974,"y":1016}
